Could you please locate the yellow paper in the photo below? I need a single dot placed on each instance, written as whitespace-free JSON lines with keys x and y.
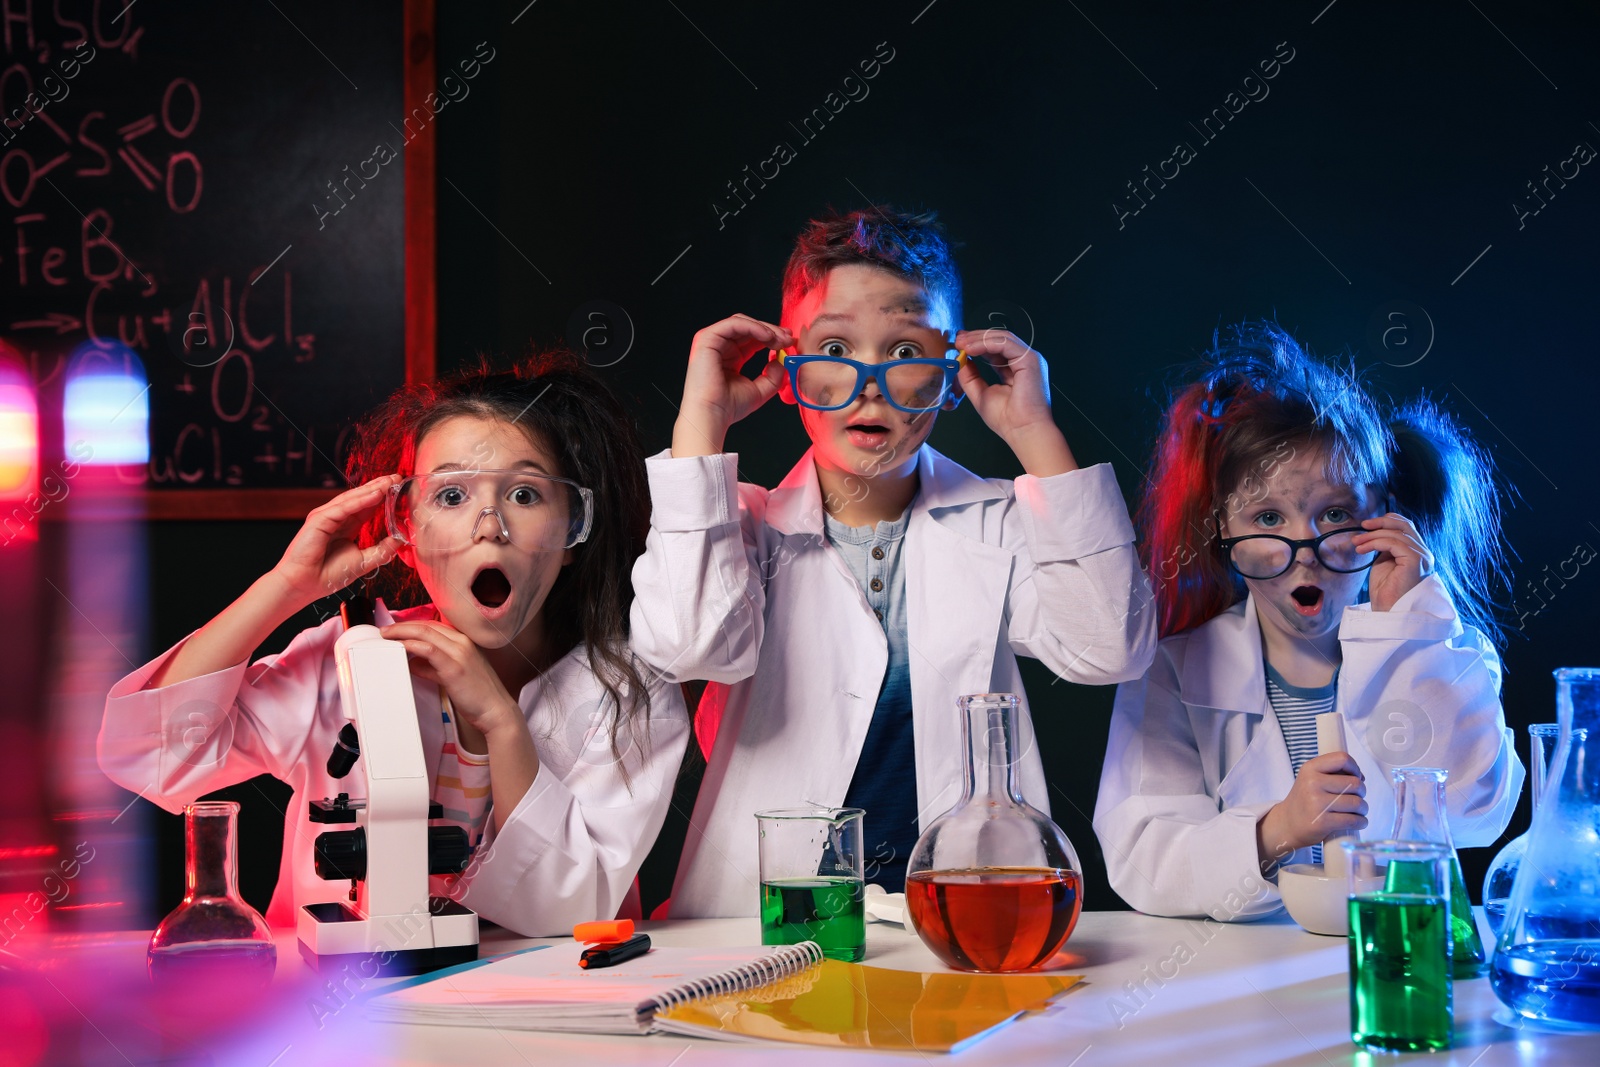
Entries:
{"x":852,"y":1006}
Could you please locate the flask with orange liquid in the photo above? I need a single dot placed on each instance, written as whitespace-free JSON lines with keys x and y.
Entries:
{"x":993,"y":884}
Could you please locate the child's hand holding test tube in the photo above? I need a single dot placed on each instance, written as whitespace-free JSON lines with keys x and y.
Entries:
{"x":1330,"y":738}
{"x":1327,"y":801}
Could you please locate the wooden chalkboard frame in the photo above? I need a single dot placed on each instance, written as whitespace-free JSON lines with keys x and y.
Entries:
{"x":421,"y":323}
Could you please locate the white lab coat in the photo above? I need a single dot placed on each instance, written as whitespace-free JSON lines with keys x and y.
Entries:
{"x":1196,"y":757}
{"x":567,"y":854}
{"x":739,"y":585}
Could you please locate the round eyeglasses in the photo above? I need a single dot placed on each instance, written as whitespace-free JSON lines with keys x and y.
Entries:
{"x":1268,"y":555}
{"x":828,"y":383}
{"x":450,"y":510}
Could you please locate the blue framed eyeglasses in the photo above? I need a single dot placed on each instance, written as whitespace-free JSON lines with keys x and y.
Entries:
{"x":828,"y":383}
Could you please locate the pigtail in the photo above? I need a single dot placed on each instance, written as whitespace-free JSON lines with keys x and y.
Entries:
{"x":1444,"y":481}
{"x":1177,"y":514}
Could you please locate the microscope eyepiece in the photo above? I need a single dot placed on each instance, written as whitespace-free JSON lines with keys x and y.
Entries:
{"x":346,"y":750}
{"x":358,"y":611}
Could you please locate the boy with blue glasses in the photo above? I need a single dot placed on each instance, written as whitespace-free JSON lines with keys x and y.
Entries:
{"x":841,"y":614}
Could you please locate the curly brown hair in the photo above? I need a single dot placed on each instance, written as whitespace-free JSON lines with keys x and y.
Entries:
{"x":564,"y":408}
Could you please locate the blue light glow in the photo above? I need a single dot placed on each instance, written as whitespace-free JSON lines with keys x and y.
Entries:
{"x":110,"y":412}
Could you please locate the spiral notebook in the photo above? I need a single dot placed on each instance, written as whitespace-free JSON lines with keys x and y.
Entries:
{"x":788,"y":994}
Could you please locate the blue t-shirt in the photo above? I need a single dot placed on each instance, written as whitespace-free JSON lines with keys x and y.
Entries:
{"x":885,"y":780}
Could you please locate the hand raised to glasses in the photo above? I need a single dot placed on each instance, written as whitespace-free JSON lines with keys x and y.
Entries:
{"x":1403,"y":560}
{"x":1017,"y":407}
{"x":715,"y":392}
{"x":323,"y":558}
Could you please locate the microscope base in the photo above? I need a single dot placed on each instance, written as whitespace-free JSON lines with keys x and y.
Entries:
{"x":397,"y":964}
{"x":332,"y":936}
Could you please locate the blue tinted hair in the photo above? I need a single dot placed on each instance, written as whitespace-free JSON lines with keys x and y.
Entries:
{"x":1444,"y":481}
{"x":1258,"y":392}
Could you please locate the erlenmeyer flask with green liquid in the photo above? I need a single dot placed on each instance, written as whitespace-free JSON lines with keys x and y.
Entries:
{"x":1420,"y":816}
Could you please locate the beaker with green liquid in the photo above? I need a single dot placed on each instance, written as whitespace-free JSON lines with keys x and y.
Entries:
{"x":1401,"y":993}
{"x":1420,"y":816}
{"x":812,"y":880}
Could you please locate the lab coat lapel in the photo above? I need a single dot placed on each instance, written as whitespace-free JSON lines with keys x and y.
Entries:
{"x":1225,"y":673}
{"x":1211,"y":674}
{"x":842,"y":672}
{"x":956,"y":587}
{"x":795,"y":506}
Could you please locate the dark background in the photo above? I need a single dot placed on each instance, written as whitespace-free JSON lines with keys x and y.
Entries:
{"x":1377,"y":178}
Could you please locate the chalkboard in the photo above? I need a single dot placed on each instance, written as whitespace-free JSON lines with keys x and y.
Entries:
{"x":221,"y":190}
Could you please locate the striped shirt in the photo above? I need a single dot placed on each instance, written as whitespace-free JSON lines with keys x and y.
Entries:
{"x":1297,"y":708}
{"x":462,"y":788}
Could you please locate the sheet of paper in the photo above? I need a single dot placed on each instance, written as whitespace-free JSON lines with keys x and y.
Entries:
{"x":552,"y":977}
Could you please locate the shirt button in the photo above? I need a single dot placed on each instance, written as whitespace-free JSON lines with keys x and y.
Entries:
{"x":877,"y":553}
{"x":878,"y":613}
{"x":876,"y":584}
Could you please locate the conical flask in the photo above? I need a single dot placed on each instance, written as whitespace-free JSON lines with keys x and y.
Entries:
{"x":1503,"y":870}
{"x":993,"y":884}
{"x":1420,"y":816}
{"x":213,"y":941}
{"x":1547,"y":962}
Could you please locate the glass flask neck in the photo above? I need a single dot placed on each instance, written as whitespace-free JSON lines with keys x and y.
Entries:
{"x":211,"y":835}
{"x":1543,"y":736}
{"x":1419,"y":806}
{"x":1578,"y":711}
{"x":989,"y":726}
{"x":1573,"y":773}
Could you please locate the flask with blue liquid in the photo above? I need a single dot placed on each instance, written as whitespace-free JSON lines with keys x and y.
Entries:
{"x":1502,"y":873}
{"x":1546,"y":965}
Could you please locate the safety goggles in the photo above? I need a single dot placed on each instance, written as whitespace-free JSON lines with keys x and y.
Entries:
{"x":451,"y":510}
{"x":828,"y":383}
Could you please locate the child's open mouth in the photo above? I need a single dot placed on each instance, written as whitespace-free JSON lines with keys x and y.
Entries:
{"x":491,"y":589}
{"x":867,"y":434}
{"x":1307,"y":599}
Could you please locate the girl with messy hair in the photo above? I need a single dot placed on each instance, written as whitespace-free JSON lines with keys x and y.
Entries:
{"x":1309,"y":553}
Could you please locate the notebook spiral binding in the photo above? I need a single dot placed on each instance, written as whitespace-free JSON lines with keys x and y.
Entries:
{"x":783,"y":963}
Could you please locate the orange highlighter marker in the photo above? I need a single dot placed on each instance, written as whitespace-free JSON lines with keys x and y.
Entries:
{"x":608,"y":932}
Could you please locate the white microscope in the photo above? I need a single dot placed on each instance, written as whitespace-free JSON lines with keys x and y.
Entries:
{"x":391,"y":920}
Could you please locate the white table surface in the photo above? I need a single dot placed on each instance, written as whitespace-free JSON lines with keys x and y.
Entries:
{"x":1254,"y":993}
